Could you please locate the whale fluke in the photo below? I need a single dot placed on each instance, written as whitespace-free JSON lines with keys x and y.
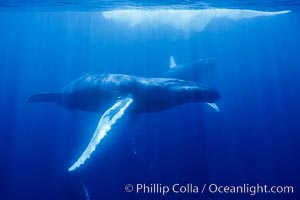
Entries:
{"x":44,"y":97}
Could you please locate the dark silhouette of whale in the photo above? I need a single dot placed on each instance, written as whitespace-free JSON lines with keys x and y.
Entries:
{"x":95,"y":93}
{"x":192,"y":71}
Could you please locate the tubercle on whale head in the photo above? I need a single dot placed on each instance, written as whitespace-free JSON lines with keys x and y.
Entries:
{"x":216,"y":96}
{"x":203,"y":93}
{"x":211,"y":96}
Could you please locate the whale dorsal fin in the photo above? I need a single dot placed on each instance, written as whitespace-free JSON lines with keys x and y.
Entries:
{"x":106,"y":121}
{"x":172,"y":62}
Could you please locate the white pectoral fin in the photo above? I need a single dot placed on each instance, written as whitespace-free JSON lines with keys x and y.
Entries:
{"x":214,"y":106}
{"x":106,"y":121}
{"x":172,"y":62}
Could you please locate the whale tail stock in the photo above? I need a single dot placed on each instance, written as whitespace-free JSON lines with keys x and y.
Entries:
{"x":44,"y":97}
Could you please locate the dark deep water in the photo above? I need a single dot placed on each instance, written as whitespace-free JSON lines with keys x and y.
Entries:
{"x":253,"y":140}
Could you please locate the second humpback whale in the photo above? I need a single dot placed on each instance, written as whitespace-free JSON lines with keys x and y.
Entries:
{"x":192,"y":71}
{"x":95,"y":93}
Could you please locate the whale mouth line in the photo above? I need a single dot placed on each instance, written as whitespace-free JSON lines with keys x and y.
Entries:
{"x":184,"y":20}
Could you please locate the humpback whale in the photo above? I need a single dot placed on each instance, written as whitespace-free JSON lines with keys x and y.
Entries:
{"x":192,"y":71}
{"x":113,"y":94}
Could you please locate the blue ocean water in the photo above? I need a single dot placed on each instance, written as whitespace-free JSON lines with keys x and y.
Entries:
{"x":254,"y":139}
